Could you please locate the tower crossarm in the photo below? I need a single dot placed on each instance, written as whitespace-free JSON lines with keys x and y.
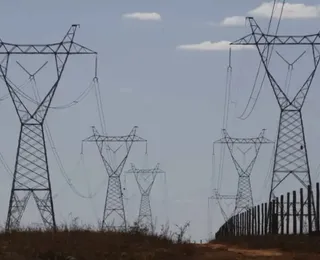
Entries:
{"x":102,"y":144}
{"x":132,"y":137}
{"x":153,"y":172}
{"x":263,"y":42}
{"x":239,"y":140}
{"x":57,"y":48}
{"x":219,"y":197}
{"x":257,"y":37}
{"x":60,"y":51}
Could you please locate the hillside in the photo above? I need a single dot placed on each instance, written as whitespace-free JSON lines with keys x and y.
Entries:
{"x":91,"y":245}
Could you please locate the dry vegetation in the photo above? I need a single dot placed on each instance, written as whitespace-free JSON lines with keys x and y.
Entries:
{"x":85,"y":243}
{"x":76,"y":243}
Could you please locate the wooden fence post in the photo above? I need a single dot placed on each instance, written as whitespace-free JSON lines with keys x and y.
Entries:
{"x":266,"y":218}
{"x":258,"y":220}
{"x":270,"y":216}
{"x":262,"y":219}
{"x":242,"y":224}
{"x":274,"y":226}
{"x":277,"y":216}
{"x":288,"y":213}
{"x":309,"y":209}
{"x":246,"y":217}
{"x":282,"y":214}
{"x":317,"y":207}
{"x":236,"y":225}
{"x":250,"y":221}
{"x":254,"y":221}
{"x":301,"y":211}
{"x":294,"y":211}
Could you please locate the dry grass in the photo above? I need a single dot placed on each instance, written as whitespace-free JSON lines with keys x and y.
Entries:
{"x":75,"y":243}
{"x":87,"y":244}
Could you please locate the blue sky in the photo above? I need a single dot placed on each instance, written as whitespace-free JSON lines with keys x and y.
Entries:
{"x":175,"y":95}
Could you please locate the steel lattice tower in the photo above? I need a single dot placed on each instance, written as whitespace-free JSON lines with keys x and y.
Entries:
{"x":31,"y":173}
{"x":244,"y":199}
{"x":291,"y":158}
{"x":114,"y":207}
{"x":145,"y":179}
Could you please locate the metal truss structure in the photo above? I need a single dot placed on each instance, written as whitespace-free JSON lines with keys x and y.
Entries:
{"x":114,"y":206}
{"x":145,"y":179}
{"x":218,"y":198}
{"x":31,"y":173}
{"x":244,"y":198}
{"x":291,"y":158}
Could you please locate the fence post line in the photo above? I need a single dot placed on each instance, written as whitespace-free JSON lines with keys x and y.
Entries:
{"x":282,"y":215}
{"x":250,"y":221}
{"x":309,"y":209}
{"x":277,"y":216}
{"x":273,"y":222}
{"x":301,"y":211}
{"x":242,"y":224}
{"x":236,"y":225}
{"x":254,"y":220}
{"x":266,"y":218}
{"x":317,"y":207}
{"x":288,"y":214}
{"x":246,"y":222}
{"x":270,"y":215}
{"x":258,"y":220}
{"x":262,"y":219}
{"x":294,"y":211}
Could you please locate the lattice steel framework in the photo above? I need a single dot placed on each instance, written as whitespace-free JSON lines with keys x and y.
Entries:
{"x":114,"y":206}
{"x":31,"y":173}
{"x":145,"y":179}
{"x":291,"y":158}
{"x":218,"y":198}
{"x":244,"y":198}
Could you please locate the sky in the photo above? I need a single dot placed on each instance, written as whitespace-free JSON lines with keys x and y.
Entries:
{"x":162,"y":67}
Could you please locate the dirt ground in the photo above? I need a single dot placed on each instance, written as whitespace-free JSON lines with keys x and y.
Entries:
{"x":228,"y":252}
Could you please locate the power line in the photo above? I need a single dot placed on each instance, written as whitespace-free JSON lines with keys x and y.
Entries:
{"x":260,"y":64}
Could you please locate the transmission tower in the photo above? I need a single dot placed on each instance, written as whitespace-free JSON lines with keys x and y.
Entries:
{"x":145,"y":179}
{"x":31,"y":173}
{"x":244,"y":199}
{"x":114,"y":207}
{"x":291,"y":158}
{"x":218,"y":198}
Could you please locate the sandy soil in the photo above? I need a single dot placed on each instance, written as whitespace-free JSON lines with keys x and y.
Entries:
{"x":225,"y":252}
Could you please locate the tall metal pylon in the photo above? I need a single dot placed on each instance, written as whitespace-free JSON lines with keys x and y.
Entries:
{"x":114,"y":206}
{"x":145,"y":179}
{"x":244,"y":198}
{"x":290,"y":158}
{"x":219,"y":198}
{"x":31,"y":173}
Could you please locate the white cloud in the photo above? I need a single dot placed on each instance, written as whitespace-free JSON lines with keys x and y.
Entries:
{"x":234,"y":21}
{"x":290,"y":11}
{"x":143,"y":16}
{"x":213,"y":46}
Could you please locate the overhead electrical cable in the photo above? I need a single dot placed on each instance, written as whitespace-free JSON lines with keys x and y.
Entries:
{"x":225,"y":118}
{"x":55,"y":153}
{"x":269,"y":54}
